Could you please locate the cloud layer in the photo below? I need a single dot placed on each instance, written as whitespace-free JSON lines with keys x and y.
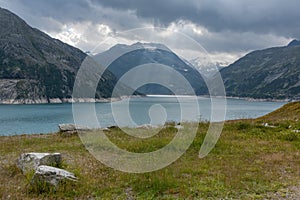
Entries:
{"x":226,"y":29}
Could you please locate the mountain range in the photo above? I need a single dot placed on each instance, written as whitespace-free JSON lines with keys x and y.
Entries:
{"x":272,"y":73}
{"x":205,"y":66}
{"x":35,"y":68}
{"x":122,"y":58}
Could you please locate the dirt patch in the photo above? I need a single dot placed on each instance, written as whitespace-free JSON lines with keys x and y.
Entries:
{"x":296,"y":191}
{"x":274,"y":157}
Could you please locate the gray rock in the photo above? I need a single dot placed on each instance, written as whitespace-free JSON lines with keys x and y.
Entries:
{"x":268,"y":125}
{"x":71,"y":127}
{"x":28,"y":162}
{"x":179,"y":127}
{"x":147,"y":126}
{"x":112,"y":127}
{"x":51,"y":175}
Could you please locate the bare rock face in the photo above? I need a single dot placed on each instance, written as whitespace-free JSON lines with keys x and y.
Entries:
{"x":51,"y":175}
{"x":29,"y":162}
{"x":35,"y":68}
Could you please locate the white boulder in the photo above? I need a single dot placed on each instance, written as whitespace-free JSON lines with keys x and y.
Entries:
{"x":179,"y":127}
{"x":71,"y":127}
{"x":147,"y":126}
{"x":51,"y":175}
{"x":30,"y":161}
{"x":268,"y":125}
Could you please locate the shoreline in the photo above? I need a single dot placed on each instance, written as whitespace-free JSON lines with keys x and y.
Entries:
{"x":58,"y":101}
{"x":261,"y":100}
{"x":115,"y":99}
{"x":230,"y":97}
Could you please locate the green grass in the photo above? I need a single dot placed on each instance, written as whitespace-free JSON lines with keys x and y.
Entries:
{"x":250,"y":161}
{"x":288,"y":112}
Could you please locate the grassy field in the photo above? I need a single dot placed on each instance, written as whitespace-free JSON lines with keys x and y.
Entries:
{"x":250,"y":161}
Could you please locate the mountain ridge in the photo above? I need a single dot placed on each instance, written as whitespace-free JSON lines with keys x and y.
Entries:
{"x":271,"y":73}
{"x":35,"y":68}
{"x":294,"y":43}
{"x":121,"y":58}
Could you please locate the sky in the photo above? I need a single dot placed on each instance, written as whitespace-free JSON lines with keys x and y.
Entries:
{"x":226,"y":29}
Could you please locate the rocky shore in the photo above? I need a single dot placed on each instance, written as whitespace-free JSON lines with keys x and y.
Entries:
{"x":57,"y":100}
{"x":104,"y":100}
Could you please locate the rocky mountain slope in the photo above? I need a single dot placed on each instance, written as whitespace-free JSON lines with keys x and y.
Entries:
{"x":122,"y":58}
{"x":35,"y":68}
{"x":271,"y":73}
{"x":206,"y":66}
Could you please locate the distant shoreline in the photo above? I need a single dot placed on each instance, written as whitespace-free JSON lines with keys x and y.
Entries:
{"x":107,"y":100}
{"x":261,"y":99}
{"x":57,"y":101}
{"x":230,"y":97}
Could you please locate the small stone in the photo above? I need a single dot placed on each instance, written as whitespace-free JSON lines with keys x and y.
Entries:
{"x":268,"y":125}
{"x":147,"y":126}
{"x":106,"y":129}
{"x":71,"y":127}
{"x":179,"y":127}
{"x":112,"y":127}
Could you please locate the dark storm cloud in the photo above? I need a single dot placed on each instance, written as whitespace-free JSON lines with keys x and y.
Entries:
{"x":43,"y":13}
{"x":163,"y":12}
{"x":268,"y":16}
{"x":65,"y":10}
{"x":232,"y":25}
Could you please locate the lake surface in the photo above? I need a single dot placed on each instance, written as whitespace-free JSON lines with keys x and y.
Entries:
{"x":44,"y":118}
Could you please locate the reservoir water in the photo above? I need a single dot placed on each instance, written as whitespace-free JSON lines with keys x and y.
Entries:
{"x":44,"y":118}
